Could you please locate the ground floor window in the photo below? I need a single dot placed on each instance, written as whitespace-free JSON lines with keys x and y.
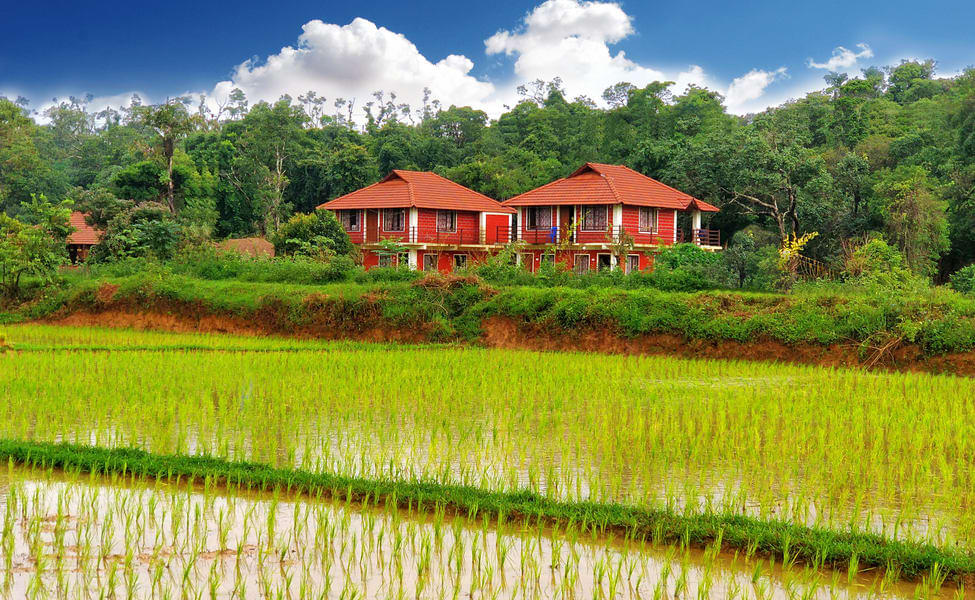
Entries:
{"x":632,"y":263}
{"x":460,"y":261}
{"x":581,"y":264}
{"x":429,"y":262}
{"x":604,"y":262}
{"x":548,"y":259}
{"x":527,"y":260}
{"x":385,"y":260}
{"x":403,"y":259}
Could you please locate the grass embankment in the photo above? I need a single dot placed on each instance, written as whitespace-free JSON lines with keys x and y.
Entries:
{"x":790,"y":542}
{"x":869,"y":325}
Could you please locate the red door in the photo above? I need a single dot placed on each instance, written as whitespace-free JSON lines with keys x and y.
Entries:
{"x":565,"y":221}
{"x":372,"y":225}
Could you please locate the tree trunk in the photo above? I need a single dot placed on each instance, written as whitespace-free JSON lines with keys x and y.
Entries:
{"x":171,"y":186}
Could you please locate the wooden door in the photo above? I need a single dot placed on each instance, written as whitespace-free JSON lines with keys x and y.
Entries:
{"x":565,"y":221}
{"x":372,"y":225}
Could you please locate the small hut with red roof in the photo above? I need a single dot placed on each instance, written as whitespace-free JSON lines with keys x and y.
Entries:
{"x":81,"y":240}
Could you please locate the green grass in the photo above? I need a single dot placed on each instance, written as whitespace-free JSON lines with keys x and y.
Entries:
{"x":820,"y":547}
{"x":937,"y":322}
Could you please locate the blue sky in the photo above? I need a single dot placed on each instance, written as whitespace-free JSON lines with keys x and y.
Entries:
{"x":755,"y":53}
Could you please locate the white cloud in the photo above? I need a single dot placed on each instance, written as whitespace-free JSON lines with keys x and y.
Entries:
{"x":570,"y":39}
{"x":353,"y":61}
{"x":843,"y":58}
{"x":750,"y":87}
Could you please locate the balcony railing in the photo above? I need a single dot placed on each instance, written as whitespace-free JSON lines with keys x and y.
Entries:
{"x":417,"y":235}
{"x":557,"y":234}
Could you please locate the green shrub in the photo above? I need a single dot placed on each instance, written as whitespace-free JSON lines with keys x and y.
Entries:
{"x":963,"y":280}
{"x":312,"y":235}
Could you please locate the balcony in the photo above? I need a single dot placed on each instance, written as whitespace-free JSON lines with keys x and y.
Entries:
{"x":417,"y":235}
{"x":556,"y":234}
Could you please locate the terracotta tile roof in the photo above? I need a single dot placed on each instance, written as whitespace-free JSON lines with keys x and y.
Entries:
{"x":420,"y":189}
{"x":596,"y":183}
{"x":84,"y":234}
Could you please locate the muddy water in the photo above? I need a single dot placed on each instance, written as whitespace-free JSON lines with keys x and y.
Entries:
{"x":69,"y":536}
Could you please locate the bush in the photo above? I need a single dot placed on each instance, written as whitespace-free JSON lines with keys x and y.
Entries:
{"x":688,"y":268}
{"x":207,"y":262}
{"x":963,"y":280}
{"x":317,"y":234}
{"x":878,"y":266}
{"x":143,"y":230}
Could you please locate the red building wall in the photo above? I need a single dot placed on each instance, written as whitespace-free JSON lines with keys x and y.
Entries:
{"x":531,"y":259}
{"x":665,"y":226}
{"x":497,"y":229}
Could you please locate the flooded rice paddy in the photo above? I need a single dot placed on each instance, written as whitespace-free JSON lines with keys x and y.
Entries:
{"x":840,"y":449}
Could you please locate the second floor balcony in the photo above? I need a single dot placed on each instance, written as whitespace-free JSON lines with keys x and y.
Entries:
{"x":574,"y":236}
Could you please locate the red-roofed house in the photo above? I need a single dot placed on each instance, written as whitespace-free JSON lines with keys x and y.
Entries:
{"x":586,"y":211}
{"x":441,"y":224}
{"x":81,"y":239}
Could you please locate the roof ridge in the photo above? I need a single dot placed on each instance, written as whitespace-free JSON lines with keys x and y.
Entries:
{"x":409,"y":190}
{"x":609,"y":181}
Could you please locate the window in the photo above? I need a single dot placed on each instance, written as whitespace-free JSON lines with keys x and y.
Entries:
{"x":460,"y":261}
{"x":394,"y":219}
{"x":595,"y":218}
{"x":429,"y":262}
{"x":632,"y":263}
{"x":604,"y":262}
{"x":403,"y":259}
{"x":447,"y":221}
{"x":527,"y":261}
{"x":385,"y":260}
{"x":538,"y":217}
{"x":349,"y":219}
{"x":581,"y":264}
{"x":547,"y":259}
{"x":648,"y":219}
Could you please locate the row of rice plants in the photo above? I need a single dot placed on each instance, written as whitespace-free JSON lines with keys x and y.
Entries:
{"x":67,"y":534}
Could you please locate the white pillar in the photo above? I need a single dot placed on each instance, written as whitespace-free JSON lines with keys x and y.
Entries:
{"x":413,"y":229}
{"x":412,"y":260}
{"x":696,"y":219}
{"x":482,"y":227}
{"x":617,"y":217}
{"x":520,"y":226}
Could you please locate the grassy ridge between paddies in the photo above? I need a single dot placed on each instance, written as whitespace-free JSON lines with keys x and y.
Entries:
{"x":447,"y":309}
{"x":790,"y":542}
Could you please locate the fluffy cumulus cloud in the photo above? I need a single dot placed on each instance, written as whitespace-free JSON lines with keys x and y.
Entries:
{"x":843,"y":58}
{"x":353,"y":61}
{"x":571,"y":39}
{"x":741,"y":95}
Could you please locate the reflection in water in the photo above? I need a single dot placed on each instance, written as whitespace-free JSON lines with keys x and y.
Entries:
{"x":67,"y":535}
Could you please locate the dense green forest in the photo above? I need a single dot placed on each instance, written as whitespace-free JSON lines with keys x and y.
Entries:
{"x":891,"y":152}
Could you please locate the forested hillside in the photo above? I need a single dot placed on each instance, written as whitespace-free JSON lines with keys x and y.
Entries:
{"x":892,"y":152}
